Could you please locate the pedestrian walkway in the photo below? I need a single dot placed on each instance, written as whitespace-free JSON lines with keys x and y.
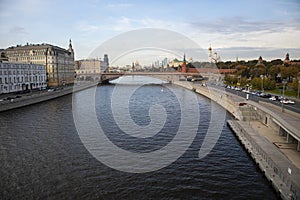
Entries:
{"x":286,"y":119}
{"x":288,"y":149}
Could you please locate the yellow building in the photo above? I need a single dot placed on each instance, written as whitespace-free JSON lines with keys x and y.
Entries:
{"x":59,"y":62}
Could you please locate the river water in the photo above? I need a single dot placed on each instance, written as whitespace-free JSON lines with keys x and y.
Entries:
{"x":42,"y":155}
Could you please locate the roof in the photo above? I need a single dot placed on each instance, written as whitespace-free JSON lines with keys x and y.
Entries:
{"x":35,"y":46}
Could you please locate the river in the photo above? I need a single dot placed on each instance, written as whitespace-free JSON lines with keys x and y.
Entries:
{"x":42,"y":156}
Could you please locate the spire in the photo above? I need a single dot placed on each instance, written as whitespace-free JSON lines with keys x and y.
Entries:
{"x":183,"y":67}
{"x":70,"y":47}
{"x":70,"y":44}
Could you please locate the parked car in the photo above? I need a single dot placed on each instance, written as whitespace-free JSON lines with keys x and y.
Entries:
{"x":290,"y":101}
{"x":273,"y":98}
{"x":266,"y":95}
{"x":287,"y":101}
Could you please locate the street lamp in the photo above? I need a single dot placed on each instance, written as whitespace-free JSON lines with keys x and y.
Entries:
{"x":283,"y":82}
{"x":298,"y":85}
{"x":262,"y":83}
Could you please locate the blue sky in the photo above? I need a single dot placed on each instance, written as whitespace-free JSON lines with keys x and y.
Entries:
{"x":246,"y":29}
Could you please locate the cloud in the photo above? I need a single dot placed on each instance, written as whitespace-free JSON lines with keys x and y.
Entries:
{"x":126,"y":24}
{"x":17,"y":30}
{"x":242,"y":25}
{"x":88,"y":28}
{"x":249,"y":53}
{"x":120,"y":5}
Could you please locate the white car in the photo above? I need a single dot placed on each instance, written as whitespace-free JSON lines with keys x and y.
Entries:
{"x":287,"y":101}
{"x":290,"y":101}
{"x":273,"y":98}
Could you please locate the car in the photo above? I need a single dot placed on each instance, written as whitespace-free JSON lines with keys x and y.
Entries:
{"x":50,"y":90}
{"x":266,"y":95}
{"x":290,"y":101}
{"x":287,"y":101}
{"x":273,"y":98}
{"x":284,"y":101}
{"x":246,"y":91}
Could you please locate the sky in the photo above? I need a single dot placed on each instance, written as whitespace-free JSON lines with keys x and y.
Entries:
{"x":245,"y":29}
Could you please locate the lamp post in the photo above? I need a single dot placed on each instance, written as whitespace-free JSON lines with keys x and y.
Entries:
{"x":283,"y":82}
{"x":262,"y":83}
{"x":298,"y":85}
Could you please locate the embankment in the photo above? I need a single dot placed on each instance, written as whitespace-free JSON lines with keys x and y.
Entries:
{"x":30,"y":99}
{"x":282,"y":174}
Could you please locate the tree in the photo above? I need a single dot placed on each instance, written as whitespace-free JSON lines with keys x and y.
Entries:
{"x":256,"y":83}
{"x":273,"y":71}
{"x":256,"y":71}
{"x":269,"y":84}
{"x":243,"y":81}
{"x":230,"y":79}
{"x":295,"y":84}
{"x":242,"y":70}
{"x":288,"y":73}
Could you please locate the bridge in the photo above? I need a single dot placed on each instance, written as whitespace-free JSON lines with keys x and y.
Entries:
{"x":166,"y":76}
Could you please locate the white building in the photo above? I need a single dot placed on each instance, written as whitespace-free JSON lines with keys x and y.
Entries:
{"x":16,"y":77}
{"x":59,"y":62}
{"x":90,"y":69}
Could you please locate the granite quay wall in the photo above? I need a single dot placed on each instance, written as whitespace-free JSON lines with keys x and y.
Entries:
{"x":43,"y":96}
{"x":282,"y":174}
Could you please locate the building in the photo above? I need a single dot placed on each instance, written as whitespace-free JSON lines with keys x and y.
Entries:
{"x":16,"y":77}
{"x":59,"y":62}
{"x":183,"y":68}
{"x":87,"y":69}
{"x":91,"y":68}
{"x":260,"y":62}
{"x":289,"y":62}
{"x":287,"y":58}
{"x":175,"y":63}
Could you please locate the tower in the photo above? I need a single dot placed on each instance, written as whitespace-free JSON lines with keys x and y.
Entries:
{"x":210,"y":54}
{"x":70,"y":47}
{"x":215,"y":57}
{"x":287,"y":58}
{"x":183,"y":68}
{"x":132,"y":68}
{"x":259,"y":61}
{"x":105,"y":59}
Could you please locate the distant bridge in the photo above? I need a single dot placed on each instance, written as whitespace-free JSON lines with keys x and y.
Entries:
{"x":166,"y":76}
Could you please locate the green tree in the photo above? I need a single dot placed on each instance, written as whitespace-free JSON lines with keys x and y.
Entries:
{"x":256,"y":83}
{"x":295,"y":84}
{"x":269,"y":84}
{"x":229,"y":79}
{"x":243,"y":81}
{"x":288,"y":72}
{"x":256,"y":71}
{"x":273,"y":71}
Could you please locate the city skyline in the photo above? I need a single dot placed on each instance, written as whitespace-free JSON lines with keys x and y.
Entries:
{"x":246,"y":30}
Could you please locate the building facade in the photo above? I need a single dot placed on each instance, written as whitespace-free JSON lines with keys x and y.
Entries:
{"x":91,"y":68}
{"x":59,"y":62}
{"x":87,"y":69}
{"x":16,"y":77}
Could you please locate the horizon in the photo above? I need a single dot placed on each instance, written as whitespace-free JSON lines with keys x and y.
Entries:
{"x":246,"y":30}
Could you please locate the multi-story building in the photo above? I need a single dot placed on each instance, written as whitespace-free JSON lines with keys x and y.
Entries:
{"x":87,"y":69}
{"x":16,"y":77}
{"x":59,"y":62}
{"x":91,"y":68}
